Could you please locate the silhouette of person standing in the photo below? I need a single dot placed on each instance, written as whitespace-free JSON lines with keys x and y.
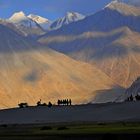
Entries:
{"x":67,"y":102}
{"x":58,"y":102}
{"x":131,"y":98}
{"x":70,"y":102}
{"x":49,"y":104}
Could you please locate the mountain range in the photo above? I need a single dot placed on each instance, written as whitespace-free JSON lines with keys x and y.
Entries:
{"x":108,"y":39}
{"x":34,"y":25}
{"x":90,"y":58}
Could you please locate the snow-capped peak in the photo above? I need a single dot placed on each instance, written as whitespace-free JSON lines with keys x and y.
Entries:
{"x":68,"y":18}
{"x":18,"y":16}
{"x":43,"y":22}
{"x":21,"y":13}
{"x":25,"y":24}
{"x":38,"y":19}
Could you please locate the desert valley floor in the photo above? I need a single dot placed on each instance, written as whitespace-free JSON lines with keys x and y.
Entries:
{"x":116,"y":121}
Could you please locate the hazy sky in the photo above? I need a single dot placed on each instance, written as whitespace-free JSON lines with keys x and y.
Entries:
{"x":50,"y":9}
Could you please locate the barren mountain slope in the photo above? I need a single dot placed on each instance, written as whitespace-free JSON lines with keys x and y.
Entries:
{"x":115,"y":52}
{"x":29,"y":76}
{"x":124,"y":8}
{"x":120,"y":59}
{"x":29,"y":73}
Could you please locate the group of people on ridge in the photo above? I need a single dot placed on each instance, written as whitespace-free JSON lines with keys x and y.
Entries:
{"x":64,"y":102}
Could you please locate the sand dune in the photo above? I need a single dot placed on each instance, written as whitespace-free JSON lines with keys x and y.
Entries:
{"x":110,"y":112}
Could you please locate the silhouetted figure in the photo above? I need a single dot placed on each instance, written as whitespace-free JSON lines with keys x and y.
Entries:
{"x":137,"y":97}
{"x":131,"y":98}
{"x":67,"y":102}
{"x":23,"y":105}
{"x":59,"y":102}
{"x":127,"y":100}
{"x":49,"y":104}
{"x":70,"y":102}
{"x":39,"y":103}
{"x":62,"y":102}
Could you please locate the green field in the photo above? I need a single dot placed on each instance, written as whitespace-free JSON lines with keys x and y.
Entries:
{"x":63,"y":131}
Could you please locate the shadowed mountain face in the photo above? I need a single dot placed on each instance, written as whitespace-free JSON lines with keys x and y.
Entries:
{"x":109,"y":39}
{"x":11,"y":40}
{"x":29,"y":73}
{"x":11,"y":26}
